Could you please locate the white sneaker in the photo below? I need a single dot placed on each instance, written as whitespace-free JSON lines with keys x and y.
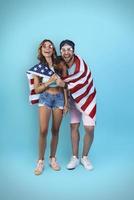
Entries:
{"x":74,"y":162}
{"x":86,"y":163}
{"x":39,"y":168}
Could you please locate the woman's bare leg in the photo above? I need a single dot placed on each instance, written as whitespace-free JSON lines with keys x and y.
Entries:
{"x":44,"y":116}
{"x":57,"y":115}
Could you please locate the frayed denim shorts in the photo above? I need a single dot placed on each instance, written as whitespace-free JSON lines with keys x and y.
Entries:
{"x":52,"y":100}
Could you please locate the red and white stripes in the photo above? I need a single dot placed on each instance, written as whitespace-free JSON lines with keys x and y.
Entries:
{"x":33,"y":97}
{"x":81,"y":87}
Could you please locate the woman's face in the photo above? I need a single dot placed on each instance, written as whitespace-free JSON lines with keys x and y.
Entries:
{"x":47,"y":49}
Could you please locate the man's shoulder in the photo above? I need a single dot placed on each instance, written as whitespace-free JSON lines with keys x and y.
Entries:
{"x":78,"y":58}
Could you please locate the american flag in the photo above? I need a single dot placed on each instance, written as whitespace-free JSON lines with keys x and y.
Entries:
{"x":40,"y":70}
{"x":81,"y":87}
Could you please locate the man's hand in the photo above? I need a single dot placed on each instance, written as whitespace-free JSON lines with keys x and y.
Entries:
{"x":60,"y":82}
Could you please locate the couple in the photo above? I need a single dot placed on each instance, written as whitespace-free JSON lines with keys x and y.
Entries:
{"x":66,"y":75}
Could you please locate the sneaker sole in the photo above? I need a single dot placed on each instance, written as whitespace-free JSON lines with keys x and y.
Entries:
{"x":73,"y":167}
{"x":37,"y":174}
{"x":86,"y":168}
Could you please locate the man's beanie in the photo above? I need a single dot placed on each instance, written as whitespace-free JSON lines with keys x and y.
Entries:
{"x":69,"y":42}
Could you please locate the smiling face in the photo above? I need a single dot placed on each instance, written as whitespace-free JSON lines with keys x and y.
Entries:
{"x":47,"y":49}
{"x":67,"y":53}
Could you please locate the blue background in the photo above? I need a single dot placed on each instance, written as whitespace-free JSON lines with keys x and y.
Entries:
{"x":104,"y":35}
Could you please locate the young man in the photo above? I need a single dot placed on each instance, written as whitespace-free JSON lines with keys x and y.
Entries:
{"x":82,"y":103}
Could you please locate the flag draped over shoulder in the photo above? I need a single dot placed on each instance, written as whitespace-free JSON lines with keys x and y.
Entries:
{"x":40,"y":70}
{"x":81,"y":87}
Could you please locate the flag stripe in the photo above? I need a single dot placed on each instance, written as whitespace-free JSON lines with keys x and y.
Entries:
{"x":79,"y":86}
{"x":81,"y":90}
{"x":32,"y":92}
{"x":82,"y":75}
{"x":77,"y":62}
{"x":88,"y":101}
{"x":32,"y":81}
{"x":85,"y":93}
{"x":35,"y":101}
{"x":93,"y":112}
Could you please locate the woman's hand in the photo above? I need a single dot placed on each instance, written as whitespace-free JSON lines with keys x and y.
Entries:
{"x":53,"y":78}
{"x":65,"y":109}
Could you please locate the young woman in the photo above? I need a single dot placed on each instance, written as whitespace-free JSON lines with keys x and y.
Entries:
{"x":52,"y":100}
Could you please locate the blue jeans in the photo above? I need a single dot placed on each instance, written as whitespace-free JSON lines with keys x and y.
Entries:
{"x":52,"y":100}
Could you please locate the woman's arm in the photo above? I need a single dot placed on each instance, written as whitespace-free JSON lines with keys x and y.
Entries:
{"x":66,"y":101}
{"x":41,"y":87}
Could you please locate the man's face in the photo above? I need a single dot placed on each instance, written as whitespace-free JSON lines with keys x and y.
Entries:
{"x":67,"y":53}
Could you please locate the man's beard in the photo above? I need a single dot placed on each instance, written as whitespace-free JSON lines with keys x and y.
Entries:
{"x":68,"y":60}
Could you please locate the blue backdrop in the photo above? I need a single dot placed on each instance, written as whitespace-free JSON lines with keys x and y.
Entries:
{"x":104,"y":35}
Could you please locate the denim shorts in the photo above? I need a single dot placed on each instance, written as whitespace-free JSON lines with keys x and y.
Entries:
{"x":52,"y":100}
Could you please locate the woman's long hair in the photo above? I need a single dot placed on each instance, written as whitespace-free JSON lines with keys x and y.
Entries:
{"x":41,"y":58}
{"x":60,"y":67}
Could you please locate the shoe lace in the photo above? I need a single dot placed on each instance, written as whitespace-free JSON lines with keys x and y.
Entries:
{"x":55,"y":163}
{"x":73,"y":160}
{"x":39,"y":166}
{"x":87,"y":161}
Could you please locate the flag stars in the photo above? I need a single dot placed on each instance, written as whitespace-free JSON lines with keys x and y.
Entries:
{"x":40,"y":66}
{"x":35,"y":69}
{"x":50,"y":73}
{"x":42,"y":71}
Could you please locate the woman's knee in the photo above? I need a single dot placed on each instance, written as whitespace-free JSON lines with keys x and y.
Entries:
{"x":55,"y":131}
{"x":43,"y":131}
